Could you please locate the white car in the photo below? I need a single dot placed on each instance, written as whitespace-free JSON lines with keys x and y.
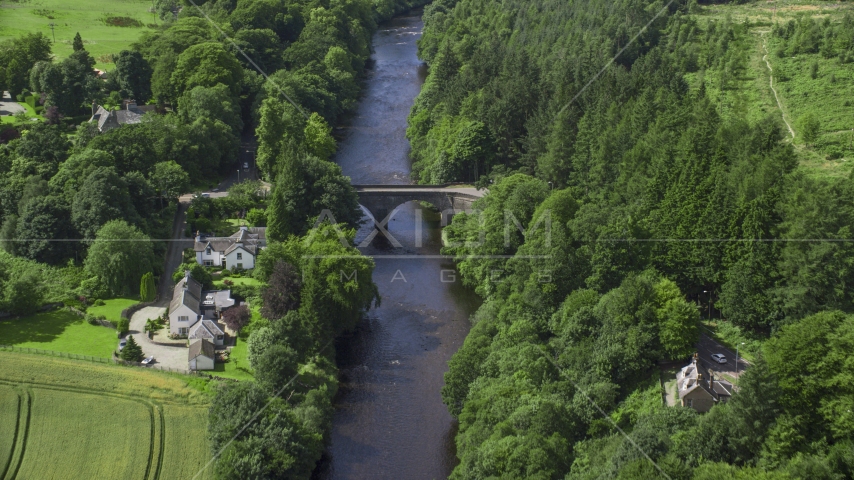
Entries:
{"x":718,"y":357}
{"x":148,"y":361}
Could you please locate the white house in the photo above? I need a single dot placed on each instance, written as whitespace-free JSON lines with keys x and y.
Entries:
{"x":201,"y":355}
{"x":235,"y":251}
{"x":194,"y":312}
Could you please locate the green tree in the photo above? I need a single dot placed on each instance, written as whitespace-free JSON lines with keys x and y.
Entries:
{"x":77,"y":44}
{"x":304,"y":189}
{"x":119,"y":257}
{"x":23,"y":294}
{"x":132,"y":351}
{"x":170,"y":180}
{"x":102,"y":197}
{"x":197,"y":271}
{"x":147,"y":290}
{"x":216,"y":103}
{"x":206,"y":65}
{"x":318,"y":137}
{"x":45,"y":231}
{"x":810,"y":127}
{"x":133,"y":75}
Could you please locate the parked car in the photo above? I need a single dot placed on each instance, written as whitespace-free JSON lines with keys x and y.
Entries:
{"x":246,"y":165}
{"x":206,"y":195}
{"x":718,"y":357}
{"x":148,"y":361}
{"x":122,"y":344}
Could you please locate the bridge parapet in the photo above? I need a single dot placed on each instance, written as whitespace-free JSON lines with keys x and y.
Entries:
{"x":381,"y":200}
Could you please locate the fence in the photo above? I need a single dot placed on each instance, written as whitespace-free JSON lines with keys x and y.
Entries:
{"x":88,"y":358}
{"x":53,"y":353}
{"x":127,"y":363}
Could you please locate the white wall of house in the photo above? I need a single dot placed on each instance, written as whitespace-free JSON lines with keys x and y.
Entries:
{"x":239,"y":257}
{"x":202,"y":363}
{"x":214,"y":257}
{"x":181,"y":318}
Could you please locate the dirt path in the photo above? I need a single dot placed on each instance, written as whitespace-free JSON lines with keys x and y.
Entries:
{"x":771,"y":76}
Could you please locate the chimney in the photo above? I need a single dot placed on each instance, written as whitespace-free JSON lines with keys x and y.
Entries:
{"x":131,"y":105}
{"x":187,"y":277}
{"x":198,"y":236}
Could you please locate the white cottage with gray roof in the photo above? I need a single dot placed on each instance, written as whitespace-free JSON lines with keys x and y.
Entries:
{"x":194,"y":312}
{"x":235,"y":251}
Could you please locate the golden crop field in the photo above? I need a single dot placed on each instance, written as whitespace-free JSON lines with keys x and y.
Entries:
{"x":62,"y":418}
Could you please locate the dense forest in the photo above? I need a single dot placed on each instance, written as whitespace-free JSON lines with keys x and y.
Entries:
{"x":656,"y":194}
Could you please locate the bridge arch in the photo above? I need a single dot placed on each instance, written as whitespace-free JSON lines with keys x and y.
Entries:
{"x":381,"y":200}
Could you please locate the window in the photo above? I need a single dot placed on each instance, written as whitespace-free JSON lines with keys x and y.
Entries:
{"x":208,"y":263}
{"x":239,"y":265}
{"x":689,"y":402}
{"x":239,"y":256}
{"x":219,"y":337}
{"x":183,"y":330}
{"x":208,"y":250}
{"x":183,"y":319}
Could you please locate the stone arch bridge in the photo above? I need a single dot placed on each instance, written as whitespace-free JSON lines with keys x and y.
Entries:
{"x":381,"y":200}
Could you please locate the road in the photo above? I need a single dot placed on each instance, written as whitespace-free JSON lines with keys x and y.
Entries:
{"x":708,"y":345}
{"x":8,"y":106}
{"x":179,"y":243}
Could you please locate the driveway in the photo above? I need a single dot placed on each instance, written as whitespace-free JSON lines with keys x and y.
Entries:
{"x":708,"y":345}
{"x":171,"y":357}
{"x":174,"y":254}
{"x":9,"y":107}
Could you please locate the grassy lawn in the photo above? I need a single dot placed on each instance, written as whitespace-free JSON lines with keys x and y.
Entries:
{"x":237,"y":366}
{"x":238,"y":281}
{"x":112,"y":308}
{"x":60,"y":331}
{"x":84,"y":16}
{"x":86,"y":420}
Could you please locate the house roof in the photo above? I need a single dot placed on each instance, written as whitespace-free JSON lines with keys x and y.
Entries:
{"x":108,"y":119}
{"x":187,"y":292}
{"x":205,"y":329}
{"x":201,"y":348}
{"x":696,"y":376}
{"x":251,"y":239}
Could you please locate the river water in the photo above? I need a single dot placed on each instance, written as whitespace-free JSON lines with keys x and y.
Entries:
{"x":390,"y":421}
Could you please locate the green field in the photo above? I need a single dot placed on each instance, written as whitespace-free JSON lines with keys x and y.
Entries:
{"x":9,"y":403}
{"x":112,"y":308}
{"x":69,"y":17}
{"x":60,"y":331}
{"x":90,"y":420}
{"x":748,"y":94}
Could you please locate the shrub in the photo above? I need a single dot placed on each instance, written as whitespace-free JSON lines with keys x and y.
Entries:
{"x":122,"y":325}
{"x":227,"y":282}
{"x":98,"y":303}
{"x":225,"y":273}
{"x":91,"y":319}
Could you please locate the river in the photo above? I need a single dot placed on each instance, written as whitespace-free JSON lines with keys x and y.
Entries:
{"x":390,"y":421}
